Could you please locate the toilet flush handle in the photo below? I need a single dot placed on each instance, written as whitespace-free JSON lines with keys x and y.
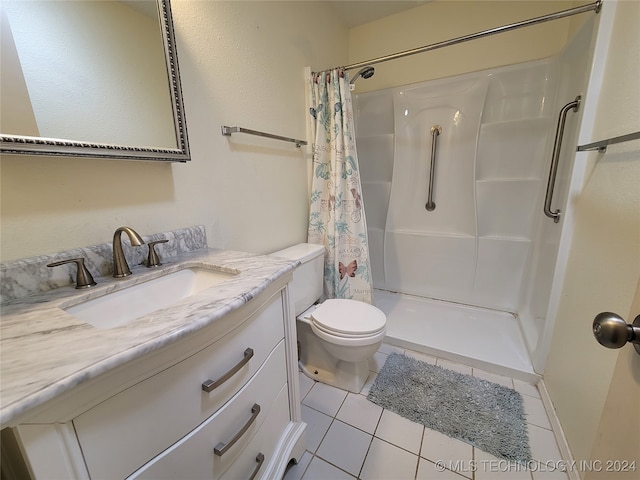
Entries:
{"x":612,"y":331}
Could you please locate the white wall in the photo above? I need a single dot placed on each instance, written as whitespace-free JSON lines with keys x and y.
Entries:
{"x":16,"y":114}
{"x":443,"y":20}
{"x":604,"y":260}
{"x":538,"y":305}
{"x":242,"y":63}
{"x":568,"y":40}
{"x":491,"y":160}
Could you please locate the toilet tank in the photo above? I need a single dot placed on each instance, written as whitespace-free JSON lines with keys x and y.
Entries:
{"x":307,"y":285}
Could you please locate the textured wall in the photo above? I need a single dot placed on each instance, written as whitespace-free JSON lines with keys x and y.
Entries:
{"x":604,"y":261}
{"x":443,"y":20}
{"x":242,"y":63}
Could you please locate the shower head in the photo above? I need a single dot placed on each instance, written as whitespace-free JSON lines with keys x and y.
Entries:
{"x":366,"y":72}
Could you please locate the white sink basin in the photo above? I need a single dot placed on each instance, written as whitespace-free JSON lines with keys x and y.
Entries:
{"x":120,"y":307}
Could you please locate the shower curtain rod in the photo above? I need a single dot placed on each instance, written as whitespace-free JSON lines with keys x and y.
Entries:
{"x":595,"y":6}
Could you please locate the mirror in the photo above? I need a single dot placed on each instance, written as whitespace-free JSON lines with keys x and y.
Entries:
{"x":91,"y":78}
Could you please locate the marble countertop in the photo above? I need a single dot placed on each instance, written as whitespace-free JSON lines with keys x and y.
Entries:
{"x":44,"y":351}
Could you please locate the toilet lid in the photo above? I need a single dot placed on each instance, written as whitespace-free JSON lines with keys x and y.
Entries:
{"x":348,"y":317}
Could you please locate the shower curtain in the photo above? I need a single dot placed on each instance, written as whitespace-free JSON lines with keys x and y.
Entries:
{"x":336,"y":218}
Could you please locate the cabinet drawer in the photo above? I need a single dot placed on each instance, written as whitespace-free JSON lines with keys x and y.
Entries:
{"x":125,"y":431}
{"x":263,"y":443}
{"x":194,"y":456}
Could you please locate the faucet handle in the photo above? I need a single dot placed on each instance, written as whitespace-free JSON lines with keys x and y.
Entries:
{"x":153,"y":260}
{"x":83,"y":277}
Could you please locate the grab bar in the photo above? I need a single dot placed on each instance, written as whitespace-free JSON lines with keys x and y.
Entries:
{"x":227,"y":131}
{"x":557,"y":145}
{"x":436,"y":130}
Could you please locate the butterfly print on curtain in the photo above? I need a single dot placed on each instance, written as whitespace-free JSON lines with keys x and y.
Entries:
{"x":337,"y":214}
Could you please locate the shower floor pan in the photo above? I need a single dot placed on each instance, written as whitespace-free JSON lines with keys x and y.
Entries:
{"x":478,"y":337}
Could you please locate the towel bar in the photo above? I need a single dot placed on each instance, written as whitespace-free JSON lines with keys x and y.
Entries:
{"x":601,"y":146}
{"x":227,"y":131}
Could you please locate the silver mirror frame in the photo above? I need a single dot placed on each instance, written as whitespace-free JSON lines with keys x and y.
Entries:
{"x":25,"y":145}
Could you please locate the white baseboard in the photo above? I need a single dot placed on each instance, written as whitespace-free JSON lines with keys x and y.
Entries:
{"x":561,"y":440}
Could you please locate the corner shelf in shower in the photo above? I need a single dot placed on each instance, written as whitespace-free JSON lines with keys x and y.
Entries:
{"x":515,"y":121}
{"x":432,"y":233}
{"x":507,"y":179}
{"x":505,"y":238}
{"x":373,"y":135}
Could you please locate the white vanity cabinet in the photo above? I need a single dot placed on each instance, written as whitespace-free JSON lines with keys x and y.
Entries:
{"x":157,"y":421}
{"x":211,"y":449}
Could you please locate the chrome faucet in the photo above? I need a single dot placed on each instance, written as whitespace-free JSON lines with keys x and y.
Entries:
{"x":120,"y":267}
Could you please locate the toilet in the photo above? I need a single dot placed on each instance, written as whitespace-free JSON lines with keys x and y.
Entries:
{"x":337,"y":337}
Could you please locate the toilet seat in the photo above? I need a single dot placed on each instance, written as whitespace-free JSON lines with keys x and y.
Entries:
{"x":346,"y":318}
{"x":343,"y":335}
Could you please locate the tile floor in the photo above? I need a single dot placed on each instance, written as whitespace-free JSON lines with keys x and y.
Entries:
{"x":349,"y":437}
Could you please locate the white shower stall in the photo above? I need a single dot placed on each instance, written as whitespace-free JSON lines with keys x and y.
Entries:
{"x":471,"y":279}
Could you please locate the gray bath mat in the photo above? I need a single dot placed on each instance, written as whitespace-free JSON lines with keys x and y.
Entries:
{"x":481,"y":413}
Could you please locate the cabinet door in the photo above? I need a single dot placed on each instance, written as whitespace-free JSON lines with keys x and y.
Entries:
{"x":51,"y":451}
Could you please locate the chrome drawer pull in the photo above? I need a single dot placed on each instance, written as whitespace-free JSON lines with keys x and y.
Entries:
{"x":210,"y":385}
{"x":221,"y":448}
{"x":260,"y":460}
